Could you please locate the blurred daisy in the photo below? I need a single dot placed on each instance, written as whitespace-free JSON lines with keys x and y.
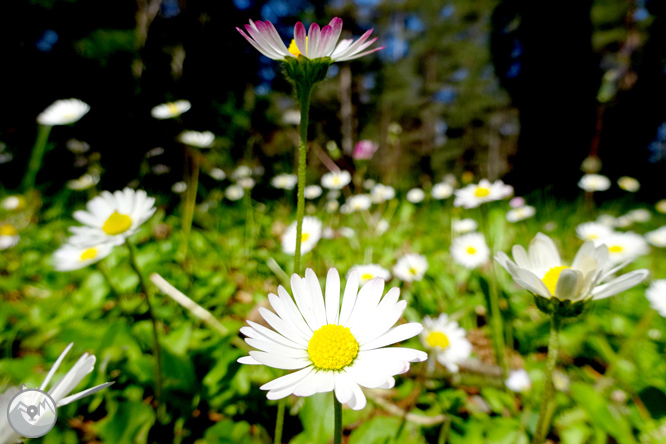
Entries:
{"x":197,"y":139}
{"x":369,"y":272}
{"x":72,"y":257}
{"x":520,"y":213}
{"x":464,"y":226}
{"x":112,"y":217}
{"x":446,"y":340}
{"x":628,"y":184}
{"x":381,"y":193}
{"x":542,"y":272}
{"x":415,"y":195}
{"x":594,"y":182}
{"x":310,"y":235}
{"x":291,"y":117}
{"x":333,"y":194}
{"x":314,"y":44}
{"x":474,"y":195}
{"x":358,"y":202}
{"x":63,"y":112}
{"x":8,"y":236}
{"x":470,"y":250}
{"x":624,"y":247}
{"x":335,"y":180}
{"x":347,"y":232}
{"x":364,"y":150}
{"x":179,"y":187}
{"x":217,"y":174}
{"x":246,"y":183}
{"x":607,"y":220}
{"x":639,"y":215}
{"x":623,"y":221}
{"x":160,"y":169}
{"x":240,"y":172}
{"x":84,"y":182}
{"x":517,"y":202}
{"x":657,"y":237}
{"x":592,"y":231}
{"x":368,"y":184}
{"x":312,"y":191}
{"x":656,"y":295}
{"x":332,"y":206}
{"x":661,"y":206}
{"x":170,"y":110}
{"x":411,"y":267}
{"x":234,"y":192}
{"x":441,"y":191}
{"x":12,"y":203}
{"x":518,"y":381}
{"x":382,"y":227}
{"x":285,"y":181}
{"x":336,"y":345}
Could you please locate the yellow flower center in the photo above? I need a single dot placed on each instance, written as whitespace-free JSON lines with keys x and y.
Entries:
{"x":367,"y":277}
{"x":305,"y":236}
{"x":471,"y":250}
{"x":412,"y":270}
{"x":332,"y":347}
{"x":7,"y":230}
{"x":615,"y":249}
{"x":336,"y":180}
{"x":481,"y":191}
{"x":438,"y":339}
{"x":294,"y":49}
{"x":117,"y":223}
{"x":90,"y":253}
{"x":592,"y":236}
{"x":551,"y":278}
{"x":173,"y":108}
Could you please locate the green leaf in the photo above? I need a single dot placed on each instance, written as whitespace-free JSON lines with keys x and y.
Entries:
{"x":383,"y":430}
{"x":317,"y":419}
{"x":129,"y":424}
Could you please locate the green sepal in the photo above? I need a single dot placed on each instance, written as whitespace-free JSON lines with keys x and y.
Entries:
{"x":306,"y":72}
{"x":563,"y":309}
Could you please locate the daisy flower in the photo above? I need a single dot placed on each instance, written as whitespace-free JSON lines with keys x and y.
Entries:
{"x":594,"y":182}
{"x":179,"y":187}
{"x":241,"y":171}
{"x":335,"y":180}
{"x":369,"y":272}
{"x":316,"y":43}
{"x":170,"y":110}
{"x":520,"y":213}
{"x":197,"y":139}
{"x":382,"y":227}
{"x":285,"y":181}
{"x":310,"y":235}
{"x":628,"y":184}
{"x":112,"y":217}
{"x":8,"y":236}
{"x":592,"y":231}
{"x":72,"y":257}
{"x":84,"y":182}
{"x":518,"y":381}
{"x":656,"y":295}
{"x":441,"y":191}
{"x":381,"y":193}
{"x":246,"y":183}
{"x":234,"y":192}
{"x":13,"y":203}
{"x":657,"y":238}
{"x":335,"y":345}
{"x":470,"y":250}
{"x":364,"y":150}
{"x":217,"y":174}
{"x":63,"y":112}
{"x":464,"y":226}
{"x":415,"y":195}
{"x":624,"y":247}
{"x":411,"y":267}
{"x":332,"y":206}
{"x":639,"y":215}
{"x":661,"y":206}
{"x":312,"y":191}
{"x":358,"y":202}
{"x":474,"y":195}
{"x":446,"y":340}
{"x":542,"y":272}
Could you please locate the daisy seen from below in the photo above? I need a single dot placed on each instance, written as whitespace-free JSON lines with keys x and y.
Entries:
{"x":592,"y":231}
{"x":521,"y":213}
{"x":310,"y":235}
{"x":474,"y":195}
{"x":335,"y":180}
{"x":411,"y":267}
{"x":170,"y":110}
{"x":8,"y":236}
{"x":446,"y":341}
{"x":336,"y":345}
{"x":470,"y":250}
{"x":72,"y":257}
{"x":112,"y":217}
{"x":197,"y":139}
{"x":594,"y":182}
{"x":285,"y":181}
{"x":369,"y":272}
{"x":656,"y":295}
{"x":63,"y":112}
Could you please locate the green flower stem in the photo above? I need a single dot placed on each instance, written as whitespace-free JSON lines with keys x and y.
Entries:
{"x":546,"y":409}
{"x":151,"y":313}
{"x":190,"y":198}
{"x":304,"y":92}
{"x":337,"y":421}
{"x":35,"y":163}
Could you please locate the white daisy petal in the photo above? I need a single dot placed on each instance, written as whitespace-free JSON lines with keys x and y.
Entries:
{"x":332,"y":296}
{"x":396,"y":334}
{"x":277,"y":361}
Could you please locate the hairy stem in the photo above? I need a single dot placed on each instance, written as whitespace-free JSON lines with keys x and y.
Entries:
{"x":546,"y":409}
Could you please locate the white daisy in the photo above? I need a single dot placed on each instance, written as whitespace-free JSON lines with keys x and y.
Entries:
{"x":347,"y":232}
{"x":446,"y":340}
{"x":470,"y":250}
{"x":246,"y":183}
{"x":518,"y":381}
{"x":332,"y":206}
{"x":179,"y":187}
{"x":368,"y":184}
{"x":592,"y":231}
{"x":285,"y":181}
{"x":358,"y":202}
{"x":474,"y":195}
{"x":72,"y":257}
{"x":594,"y":182}
{"x":197,"y":139}
{"x":63,"y":112}
{"x":112,"y":217}
{"x":84,"y":182}
{"x":464,"y":226}
{"x":381,"y":193}
{"x":520,"y":213}
{"x":661,"y":206}
{"x":639,"y":215}
{"x":335,"y":180}
{"x":8,"y":236}
{"x":629,"y":184}
{"x":411,"y":267}
{"x":623,"y":221}
{"x":369,"y":272}
{"x":335,"y":345}
{"x":624,"y":247}
{"x":291,"y":117}
{"x":217,"y":174}
{"x":382,"y":227}
{"x":312,"y":191}
{"x":170,"y":110}
{"x":415,"y":195}
{"x":241,"y":171}
{"x":656,"y":295}
{"x":310,"y":235}
{"x":333,"y":194}
{"x":657,"y":238}
{"x":12,"y":203}
{"x":441,"y":191}
{"x":542,"y":272}
{"x":234,"y":192}
{"x":607,"y":219}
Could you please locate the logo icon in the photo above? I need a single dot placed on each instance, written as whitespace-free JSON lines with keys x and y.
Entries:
{"x":32,"y":413}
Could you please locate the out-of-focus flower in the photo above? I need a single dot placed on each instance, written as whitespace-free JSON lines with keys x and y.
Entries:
{"x":72,"y":257}
{"x":312,"y":191}
{"x":474,"y":195}
{"x":639,"y":215}
{"x":240,"y":172}
{"x":661,"y":206}
{"x":291,"y":117}
{"x":628,"y":184}
{"x":657,"y":238}
{"x":179,"y":187}
{"x":656,"y":295}
{"x":594,"y":182}
{"x":441,"y":191}
{"x":336,"y":343}
{"x":63,"y":112}
{"x":285,"y":181}
{"x":382,"y":227}
{"x":335,"y":180}
{"x":170,"y":110}
{"x":332,"y":206}
{"x":470,"y":250}
{"x":217,"y":174}
{"x":415,"y":195}
{"x":13,"y":203}
{"x":364,"y":150}
{"x":358,"y":202}
{"x":381,"y":193}
{"x":411,"y":267}
{"x":84,"y":182}
{"x":623,"y":221}
{"x":592,"y":231}
{"x":517,"y":202}
{"x":246,"y":183}
{"x":446,"y":340}
{"x":347,"y":232}
{"x":518,"y":381}
{"x":591,"y":165}
{"x":520,"y":213}
{"x":77,"y":146}
{"x":8,"y":236}
{"x":607,"y":220}
{"x":234,"y":192}
{"x":369,"y":272}
{"x":310,"y":235}
{"x":464,"y":226}
{"x":160,"y":168}
{"x":624,"y":247}
{"x":369,"y":184}
{"x":197,"y":139}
